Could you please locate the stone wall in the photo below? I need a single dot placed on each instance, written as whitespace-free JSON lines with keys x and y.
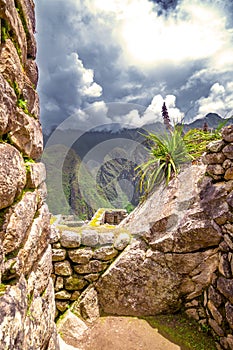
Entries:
{"x":26,"y":289}
{"x":80,"y":256}
{"x":213,"y":309}
{"x":181,"y":256}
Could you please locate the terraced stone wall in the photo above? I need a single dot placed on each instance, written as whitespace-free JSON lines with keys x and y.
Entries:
{"x":80,"y":257}
{"x":26,"y":288}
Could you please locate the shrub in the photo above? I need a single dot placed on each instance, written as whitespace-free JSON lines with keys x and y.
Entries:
{"x":166,"y":154}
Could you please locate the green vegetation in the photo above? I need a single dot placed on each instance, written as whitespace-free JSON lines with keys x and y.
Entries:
{"x":22,"y":17}
{"x":5,"y":30}
{"x":129,"y":207}
{"x":3,"y":288}
{"x":182,"y":331}
{"x":28,"y":161}
{"x":70,"y":185}
{"x":21,"y":102}
{"x":7,"y":33}
{"x":196,"y":141}
{"x":167,"y":153}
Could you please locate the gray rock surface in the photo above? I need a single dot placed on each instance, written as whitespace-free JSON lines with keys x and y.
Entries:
{"x":12,"y":174}
{"x":172,"y":254}
{"x":70,"y":239}
{"x":90,"y":238}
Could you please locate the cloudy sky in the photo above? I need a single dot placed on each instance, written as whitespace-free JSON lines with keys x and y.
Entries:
{"x":134,"y":54}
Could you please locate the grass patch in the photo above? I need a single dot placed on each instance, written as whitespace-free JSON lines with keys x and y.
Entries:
{"x":3,"y":288}
{"x":182,"y":331}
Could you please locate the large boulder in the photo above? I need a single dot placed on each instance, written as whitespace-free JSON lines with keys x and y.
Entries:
{"x":174,"y":252}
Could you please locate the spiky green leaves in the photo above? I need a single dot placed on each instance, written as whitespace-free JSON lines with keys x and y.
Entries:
{"x":167,"y":153}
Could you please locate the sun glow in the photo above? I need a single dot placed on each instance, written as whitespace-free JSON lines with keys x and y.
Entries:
{"x":155,"y":39}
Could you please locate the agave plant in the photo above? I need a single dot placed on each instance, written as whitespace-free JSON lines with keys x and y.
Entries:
{"x":166,"y":154}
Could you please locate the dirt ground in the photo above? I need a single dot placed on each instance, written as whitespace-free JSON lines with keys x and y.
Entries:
{"x":123,"y":333}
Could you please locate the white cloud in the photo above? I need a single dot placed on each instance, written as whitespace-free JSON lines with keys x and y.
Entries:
{"x":123,"y":51}
{"x":219,"y":100}
{"x":149,"y":39}
{"x":153,"y":112}
{"x":86,"y":84}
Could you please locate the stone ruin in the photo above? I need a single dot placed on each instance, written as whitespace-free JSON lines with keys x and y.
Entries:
{"x":174,"y":251}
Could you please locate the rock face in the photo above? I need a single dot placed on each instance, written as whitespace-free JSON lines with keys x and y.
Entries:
{"x":27,"y":300}
{"x":176,"y":240}
{"x":182,"y":251}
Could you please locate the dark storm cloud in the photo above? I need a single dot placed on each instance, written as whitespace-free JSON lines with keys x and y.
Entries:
{"x":83,"y":58}
{"x":65,"y":84}
{"x":165,"y":4}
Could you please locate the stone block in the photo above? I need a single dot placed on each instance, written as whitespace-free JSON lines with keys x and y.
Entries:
{"x":121,"y":241}
{"x":12,"y":174}
{"x":54,"y":235}
{"x":227,"y":164}
{"x":105,"y":253}
{"x":71,"y":328}
{"x":92,"y":277}
{"x":9,"y":13}
{"x":230,"y":341}
{"x":74,"y":282}
{"x":214,"y":158}
{"x":32,"y":71}
{"x":70,"y":239}
{"x":229,"y":174}
{"x":87,"y":306}
{"x":229,"y":314}
{"x":36,"y":243}
{"x":63,"y":268}
{"x":7,"y":104}
{"x":81,"y":256}
{"x":215,"y":146}
{"x":228,"y":151}
{"x":39,"y":277}
{"x":42,"y":194}
{"x":75,"y":295}
{"x":106,"y":238}
{"x":214,"y":296}
{"x":58,"y":254}
{"x":63,"y":295}
{"x":215,"y":169}
{"x":18,"y":219}
{"x":217,"y":329}
{"x":62,"y":306}
{"x":36,"y":174}
{"x":228,"y":241}
{"x":215,"y":313}
{"x":28,"y":13}
{"x":93,"y":266}
{"x":227,"y":133}
{"x":225,"y":286}
{"x":90,"y":238}
{"x":224,"y":266}
{"x":26,"y":134}
{"x":229,"y":199}
{"x":59,"y":284}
